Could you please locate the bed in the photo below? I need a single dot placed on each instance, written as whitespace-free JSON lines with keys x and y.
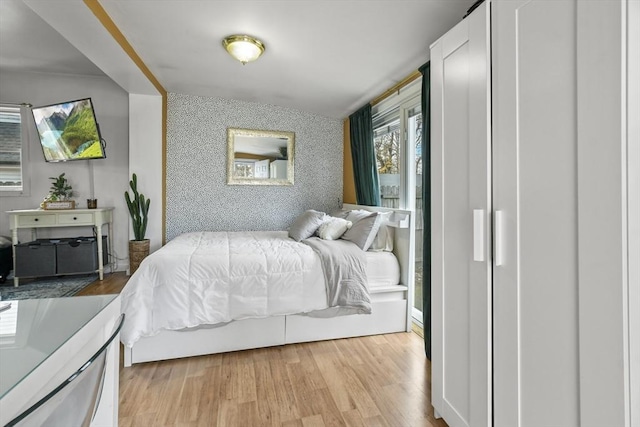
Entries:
{"x":212,"y":292}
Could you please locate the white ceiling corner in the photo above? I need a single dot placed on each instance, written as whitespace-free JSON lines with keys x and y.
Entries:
{"x":324,"y":57}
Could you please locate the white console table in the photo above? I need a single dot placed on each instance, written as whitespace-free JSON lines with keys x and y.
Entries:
{"x":38,"y":218}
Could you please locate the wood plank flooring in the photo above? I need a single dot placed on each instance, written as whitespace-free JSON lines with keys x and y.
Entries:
{"x":112,"y":284}
{"x":381,"y":380}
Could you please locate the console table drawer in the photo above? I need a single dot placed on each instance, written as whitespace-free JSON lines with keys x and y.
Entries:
{"x":36,"y":220}
{"x":75,"y":218}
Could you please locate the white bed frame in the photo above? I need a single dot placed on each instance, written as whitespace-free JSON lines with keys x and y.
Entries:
{"x":391,"y":312}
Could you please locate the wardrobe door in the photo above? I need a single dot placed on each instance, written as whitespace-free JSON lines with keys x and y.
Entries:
{"x":460,"y":186}
{"x":536,"y":381}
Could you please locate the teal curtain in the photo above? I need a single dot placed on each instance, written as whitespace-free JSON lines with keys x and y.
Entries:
{"x":426,"y":206}
{"x":365,"y":171}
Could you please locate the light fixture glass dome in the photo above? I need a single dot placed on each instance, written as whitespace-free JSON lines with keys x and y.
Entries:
{"x":243,"y":48}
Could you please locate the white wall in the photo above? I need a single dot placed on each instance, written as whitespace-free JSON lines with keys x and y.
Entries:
{"x":110,"y":175}
{"x":145,"y":159}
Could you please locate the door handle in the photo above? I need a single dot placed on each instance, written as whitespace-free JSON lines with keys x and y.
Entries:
{"x":499,"y":236}
{"x":478,"y":235}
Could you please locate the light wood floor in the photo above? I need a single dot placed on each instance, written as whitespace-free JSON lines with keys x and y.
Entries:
{"x":112,"y":284}
{"x":382,"y":380}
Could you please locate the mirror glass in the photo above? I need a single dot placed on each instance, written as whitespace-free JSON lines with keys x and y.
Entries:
{"x":259,"y":157}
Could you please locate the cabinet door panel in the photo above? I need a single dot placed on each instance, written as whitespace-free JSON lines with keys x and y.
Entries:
{"x":460,"y":165}
{"x":535,"y":175}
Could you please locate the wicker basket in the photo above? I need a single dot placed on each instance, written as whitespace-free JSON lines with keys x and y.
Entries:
{"x":138,"y":250}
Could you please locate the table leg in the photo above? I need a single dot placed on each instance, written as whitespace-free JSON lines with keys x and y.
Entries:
{"x":14,"y":234}
{"x":100,"y":263}
{"x":112,"y":259}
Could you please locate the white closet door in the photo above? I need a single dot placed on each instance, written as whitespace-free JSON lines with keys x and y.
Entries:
{"x":461,"y":250}
{"x":536,"y":380}
{"x":261,"y":169}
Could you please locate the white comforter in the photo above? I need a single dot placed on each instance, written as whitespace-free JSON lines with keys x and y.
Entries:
{"x":205,"y":278}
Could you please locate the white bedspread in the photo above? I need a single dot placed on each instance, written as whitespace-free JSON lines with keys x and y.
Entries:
{"x":205,"y":278}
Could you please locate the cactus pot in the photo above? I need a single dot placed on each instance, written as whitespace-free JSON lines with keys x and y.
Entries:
{"x":138,"y":250}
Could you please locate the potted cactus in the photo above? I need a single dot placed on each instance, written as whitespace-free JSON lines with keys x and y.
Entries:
{"x":138,"y":210}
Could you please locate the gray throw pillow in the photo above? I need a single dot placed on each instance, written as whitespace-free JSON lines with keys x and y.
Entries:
{"x":340,"y":213}
{"x":357,"y":214}
{"x":306,"y":224}
{"x":364,"y":231}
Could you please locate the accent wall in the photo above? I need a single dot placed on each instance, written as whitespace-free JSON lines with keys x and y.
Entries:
{"x":198,"y":197}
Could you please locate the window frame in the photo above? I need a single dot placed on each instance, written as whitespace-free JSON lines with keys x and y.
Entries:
{"x":399,"y":106}
{"x":24,"y":153}
{"x":402,"y":102}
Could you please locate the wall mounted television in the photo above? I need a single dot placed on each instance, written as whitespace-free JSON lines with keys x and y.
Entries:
{"x":69,"y":131}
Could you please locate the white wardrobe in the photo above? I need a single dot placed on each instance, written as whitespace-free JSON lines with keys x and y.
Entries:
{"x":533,"y":291}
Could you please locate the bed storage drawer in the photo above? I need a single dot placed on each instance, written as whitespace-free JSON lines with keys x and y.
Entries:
{"x":386,"y":317}
{"x":388,"y":293}
{"x":238,"y":335}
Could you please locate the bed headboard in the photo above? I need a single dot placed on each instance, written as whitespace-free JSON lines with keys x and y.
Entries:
{"x":403,"y":242}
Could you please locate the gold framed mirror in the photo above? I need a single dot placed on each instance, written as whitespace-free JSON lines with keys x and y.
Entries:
{"x":260,"y":157}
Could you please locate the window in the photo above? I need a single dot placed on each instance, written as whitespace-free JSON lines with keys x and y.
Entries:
{"x":11,"y":159}
{"x":9,"y":323}
{"x":386,"y":142}
{"x":397,"y":139}
{"x":243,"y":168}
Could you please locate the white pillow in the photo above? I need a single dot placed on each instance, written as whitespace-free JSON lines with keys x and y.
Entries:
{"x":333,"y":228}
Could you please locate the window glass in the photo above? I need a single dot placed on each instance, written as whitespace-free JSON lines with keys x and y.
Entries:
{"x":386,"y":141}
{"x":10,"y":149}
{"x":414,"y":135}
{"x":243,"y":169}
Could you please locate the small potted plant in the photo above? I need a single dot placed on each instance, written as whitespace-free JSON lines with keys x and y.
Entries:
{"x":138,"y":210}
{"x":60,"y":194}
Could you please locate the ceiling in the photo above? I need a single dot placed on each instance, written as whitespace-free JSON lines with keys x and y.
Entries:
{"x":325,"y":57}
{"x":27,"y":43}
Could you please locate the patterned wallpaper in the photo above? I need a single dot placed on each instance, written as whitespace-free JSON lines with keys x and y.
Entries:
{"x":198,"y":197}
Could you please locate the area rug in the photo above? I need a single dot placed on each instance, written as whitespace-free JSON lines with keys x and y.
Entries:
{"x":52,"y":287}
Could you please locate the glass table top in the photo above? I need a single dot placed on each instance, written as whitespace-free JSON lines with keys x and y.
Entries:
{"x":32,"y":330}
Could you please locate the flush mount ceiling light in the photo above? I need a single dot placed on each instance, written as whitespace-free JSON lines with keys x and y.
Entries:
{"x":243,"y":48}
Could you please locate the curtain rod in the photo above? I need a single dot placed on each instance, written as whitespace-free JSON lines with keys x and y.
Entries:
{"x":404,"y":82}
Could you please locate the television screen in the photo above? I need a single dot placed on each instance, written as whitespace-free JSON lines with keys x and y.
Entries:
{"x":69,"y":131}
